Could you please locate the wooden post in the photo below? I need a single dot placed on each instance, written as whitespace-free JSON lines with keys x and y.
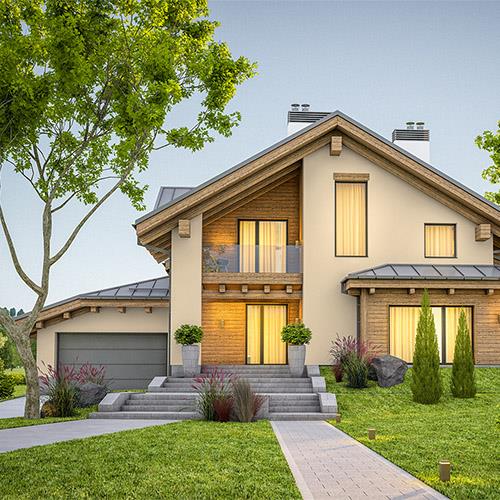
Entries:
{"x":338,"y":418}
{"x":371,"y":433}
{"x":444,"y":470}
{"x":184,"y":228}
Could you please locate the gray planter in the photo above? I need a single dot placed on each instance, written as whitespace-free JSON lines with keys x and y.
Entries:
{"x":296,"y":359}
{"x":190,"y":357}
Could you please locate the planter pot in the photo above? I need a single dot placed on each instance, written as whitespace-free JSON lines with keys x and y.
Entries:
{"x":296,"y":359}
{"x":190,"y":357}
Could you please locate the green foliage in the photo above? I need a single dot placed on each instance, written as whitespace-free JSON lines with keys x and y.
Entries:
{"x":490,"y":141}
{"x":426,"y":382}
{"x":8,"y":350}
{"x":6,"y":385}
{"x":356,"y":371}
{"x":19,"y":378}
{"x":463,"y":380}
{"x":296,"y":334}
{"x":86,"y":87}
{"x":188,"y":334}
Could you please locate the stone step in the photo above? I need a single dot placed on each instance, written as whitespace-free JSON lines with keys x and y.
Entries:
{"x":148,"y":415}
{"x":159,"y":408}
{"x":301,"y":416}
{"x":163,"y":396}
{"x":294,"y":397}
{"x":294,"y":409}
{"x":239,"y":368}
{"x":259,"y":388}
{"x":164,"y":402}
{"x":251,"y":379}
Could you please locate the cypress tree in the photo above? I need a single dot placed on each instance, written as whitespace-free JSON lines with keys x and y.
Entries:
{"x":463,"y":382}
{"x":426,"y":378}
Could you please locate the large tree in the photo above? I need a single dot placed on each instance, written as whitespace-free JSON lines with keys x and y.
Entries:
{"x":490,"y":141}
{"x":86,"y":87}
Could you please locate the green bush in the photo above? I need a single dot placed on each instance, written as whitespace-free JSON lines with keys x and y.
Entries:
{"x":188,"y":334}
{"x":296,"y":334}
{"x":356,"y":371}
{"x":426,"y":384}
{"x":463,"y":380}
{"x":18,"y":378}
{"x":6,"y":386}
{"x":1,"y":365}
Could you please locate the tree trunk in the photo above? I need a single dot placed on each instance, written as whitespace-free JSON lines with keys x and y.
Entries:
{"x":32,"y":407}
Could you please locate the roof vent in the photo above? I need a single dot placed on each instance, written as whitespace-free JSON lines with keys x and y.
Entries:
{"x":420,"y":125}
{"x":305,"y":107}
{"x":295,"y":107}
{"x":410,"y":125}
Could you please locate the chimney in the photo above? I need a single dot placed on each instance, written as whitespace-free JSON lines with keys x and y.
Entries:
{"x":415,"y":138}
{"x":300,"y":117}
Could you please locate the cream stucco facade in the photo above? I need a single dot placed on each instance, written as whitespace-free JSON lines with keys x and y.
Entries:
{"x":396,"y":216}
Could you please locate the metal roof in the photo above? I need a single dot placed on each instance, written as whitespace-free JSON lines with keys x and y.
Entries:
{"x":166,"y":194}
{"x":428,"y":272}
{"x":303,"y":131}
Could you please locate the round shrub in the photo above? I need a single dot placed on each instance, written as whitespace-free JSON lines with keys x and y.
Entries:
{"x":6,"y":386}
{"x":296,"y":334}
{"x":188,"y":334}
{"x":18,"y":378}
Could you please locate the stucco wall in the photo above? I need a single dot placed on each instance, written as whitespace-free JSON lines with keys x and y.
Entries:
{"x":396,"y":216}
{"x":108,"y":320}
{"x":185,"y":283}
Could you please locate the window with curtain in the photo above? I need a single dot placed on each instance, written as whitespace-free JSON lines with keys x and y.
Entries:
{"x":350,"y":219}
{"x":440,"y":240}
{"x":403,"y":323}
{"x":263,"y":246}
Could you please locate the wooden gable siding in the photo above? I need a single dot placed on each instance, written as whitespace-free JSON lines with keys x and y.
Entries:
{"x":486,"y":316}
{"x":227,"y":344}
{"x":281,"y":203}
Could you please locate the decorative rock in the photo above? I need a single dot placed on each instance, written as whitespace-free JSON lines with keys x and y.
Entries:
{"x":48,"y":410}
{"x":389,"y":370}
{"x":91,"y":394}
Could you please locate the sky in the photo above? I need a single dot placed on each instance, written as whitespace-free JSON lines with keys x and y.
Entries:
{"x":382,"y":63}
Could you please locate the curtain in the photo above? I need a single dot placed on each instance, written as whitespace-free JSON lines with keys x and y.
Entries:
{"x":272,"y":246}
{"x":403,"y":329}
{"x":253,"y":334}
{"x":439,"y":241}
{"x":452,"y":316}
{"x":274,"y":319}
{"x":247,"y":246}
{"x":350,"y":218}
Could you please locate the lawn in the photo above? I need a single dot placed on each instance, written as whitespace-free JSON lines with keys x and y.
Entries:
{"x":416,"y":437}
{"x":10,"y":423}
{"x":195,"y":460}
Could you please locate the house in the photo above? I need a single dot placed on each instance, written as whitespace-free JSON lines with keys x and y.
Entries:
{"x":334,"y":225}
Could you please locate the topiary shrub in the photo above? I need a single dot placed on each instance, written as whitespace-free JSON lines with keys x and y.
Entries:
{"x":426,"y":384}
{"x":463,"y":381}
{"x":188,"y":334}
{"x":6,"y":386}
{"x":296,"y":334}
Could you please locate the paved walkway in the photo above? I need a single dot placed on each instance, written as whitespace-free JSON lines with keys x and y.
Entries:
{"x":36,"y":435}
{"x":12,"y":408}
{"x":327,"y":463}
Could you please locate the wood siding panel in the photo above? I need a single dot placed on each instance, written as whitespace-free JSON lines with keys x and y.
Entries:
{"x":226,"y":344}
{"x":486,"y":311}
{"x":281,"y":203}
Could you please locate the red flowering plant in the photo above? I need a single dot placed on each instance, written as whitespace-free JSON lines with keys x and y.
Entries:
{"x":61,"y":385}
{"x":215,"y":399}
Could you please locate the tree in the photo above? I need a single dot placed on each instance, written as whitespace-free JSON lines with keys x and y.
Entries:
{"x":85,"y":90}
{"x":8,"y":351}
{"x":490,"y":141}
{"x":426,"y":379}
{"x":463,"y":382}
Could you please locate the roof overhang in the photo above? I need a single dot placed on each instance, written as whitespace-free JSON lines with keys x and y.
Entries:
{"x":153,"y":229}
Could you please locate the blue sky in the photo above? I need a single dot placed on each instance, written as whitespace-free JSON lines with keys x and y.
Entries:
{"x":382,"y":63}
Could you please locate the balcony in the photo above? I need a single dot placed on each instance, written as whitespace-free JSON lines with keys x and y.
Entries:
{"x":255,"y":259}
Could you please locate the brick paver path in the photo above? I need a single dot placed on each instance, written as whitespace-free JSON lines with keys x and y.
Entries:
{"x":327,"y":463}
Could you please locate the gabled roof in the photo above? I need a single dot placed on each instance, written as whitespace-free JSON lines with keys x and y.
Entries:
{"x":152,"y":227}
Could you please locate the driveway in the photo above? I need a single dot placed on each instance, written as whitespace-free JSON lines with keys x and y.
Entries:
{"x":36,"y":435}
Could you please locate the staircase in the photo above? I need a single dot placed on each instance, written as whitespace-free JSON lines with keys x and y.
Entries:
{"x":287,"y":397}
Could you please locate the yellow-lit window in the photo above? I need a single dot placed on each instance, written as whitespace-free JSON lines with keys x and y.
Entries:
{"x":350,"y":219}
{"x":440,"y":240}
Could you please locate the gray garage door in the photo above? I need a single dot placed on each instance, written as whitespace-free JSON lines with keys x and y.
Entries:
{"x":131,"y":360}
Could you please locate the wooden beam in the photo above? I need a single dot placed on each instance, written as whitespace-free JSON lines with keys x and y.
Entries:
{"x":148,"y":310}
{"x":222,"y":288}
{"x":289,"y":288}
{"x":430,"y":284}
{"x":483,"y":232}
{"x":267,"y":288}
{"x":184,"y":228}
{"x":121,"y":309}
{"x":371,"y":291}
{"x":67,"y":315}
{"x":95,"y":309}
{"x":451,"y":291}
{"x":490,"y":291}
{"x":411,"y":291}
{"x":39,"y":325}
{"x":350,"y":177}
{"x":252,"y":278}
{"x":336,"y":145}
{"x":252,"y":295}
{"x":244,"y":288}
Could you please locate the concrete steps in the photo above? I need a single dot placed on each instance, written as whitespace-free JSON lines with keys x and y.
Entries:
{"x":148,"y":415}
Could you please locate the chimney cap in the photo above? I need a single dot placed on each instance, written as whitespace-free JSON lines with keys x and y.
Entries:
{"x":410,"y":125}
{"x":295,"y":107}
{"x":305,"y":107}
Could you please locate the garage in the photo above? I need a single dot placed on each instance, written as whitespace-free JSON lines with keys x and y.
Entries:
{"x":131,"y":360}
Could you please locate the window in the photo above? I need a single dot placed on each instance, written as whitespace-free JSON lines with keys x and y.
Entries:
{"x":403,"y":323}
{"x":350,"y":219}
{"x":440,"y":240}
{"x":263,"y":246}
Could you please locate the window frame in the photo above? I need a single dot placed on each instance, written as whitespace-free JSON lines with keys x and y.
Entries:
{"x":452,"y":224}
{"x":365,"y":182}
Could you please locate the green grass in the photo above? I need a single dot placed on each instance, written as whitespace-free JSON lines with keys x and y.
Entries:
{"x":19,"y":390}
{"x":11,"y":423}
{"x":195,"y":460}
{"x":416,"y":437}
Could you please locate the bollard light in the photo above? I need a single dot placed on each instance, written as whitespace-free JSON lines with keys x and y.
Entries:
{"x":371,"y":433}
{"x":444,"y":470}
{"x":338,"y":418}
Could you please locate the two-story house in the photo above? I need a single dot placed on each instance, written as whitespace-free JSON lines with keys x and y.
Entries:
{"x":334,"y":225}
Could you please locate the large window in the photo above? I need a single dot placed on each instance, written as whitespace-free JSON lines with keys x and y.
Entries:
{"x":263,"y":246}
{"x":403,"y":330}
{"x":440,"y":240}
{"x":350,"y":219}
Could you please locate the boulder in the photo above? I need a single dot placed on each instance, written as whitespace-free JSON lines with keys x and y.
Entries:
{"x":389,"y":370}
{"x":91,"y":394}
